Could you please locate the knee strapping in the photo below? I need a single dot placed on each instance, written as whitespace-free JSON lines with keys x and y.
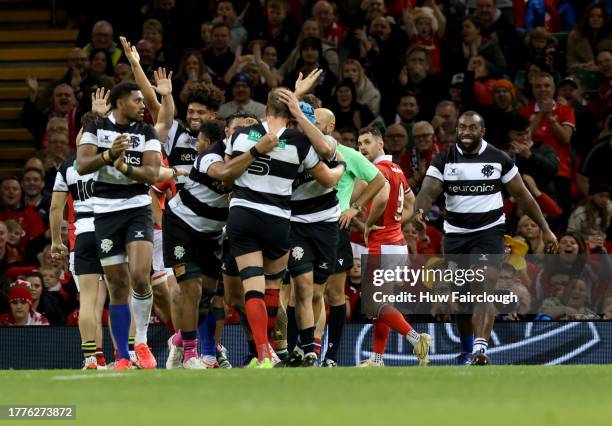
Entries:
{"x":276,"y":276}
{"x":250,"y":272}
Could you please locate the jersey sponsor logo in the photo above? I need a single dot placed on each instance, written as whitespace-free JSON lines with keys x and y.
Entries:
{"x":396,"y":169}
{"x":453,"y":171}
{"x":475,"y":189}
{"x":254,"y":135}
{"x":132,"y":160}
{"x":297,"y":252}
{"x":106,"y":245}
{"x":106,"y":139}
{"x":487,"y":170}
{"x":188,"y":157}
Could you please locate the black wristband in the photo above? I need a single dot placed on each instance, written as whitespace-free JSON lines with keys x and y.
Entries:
{"x":129,"y":170}
{"x":256,"y":154}
{"x":110,"y":154}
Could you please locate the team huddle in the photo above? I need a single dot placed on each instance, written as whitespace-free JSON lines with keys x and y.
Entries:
{"x":259,"y":219}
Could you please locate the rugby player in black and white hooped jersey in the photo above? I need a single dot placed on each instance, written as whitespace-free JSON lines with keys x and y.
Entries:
{"x":84,"y":260}
{"x":259,"y":218}
{"x":193,"y":228}
{"x":472,"y":174}
{"x":315,"y":212}
{"x":178,"y":139}
{"x":124,"y":155}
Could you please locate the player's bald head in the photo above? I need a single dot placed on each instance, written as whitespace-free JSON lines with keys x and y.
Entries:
{"x":326,"y":121}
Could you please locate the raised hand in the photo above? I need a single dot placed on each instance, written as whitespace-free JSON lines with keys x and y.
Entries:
{"x":305,"y":85}
{"x":32,"y":84}
{"x":163,"y":82}
{"x":130,"y":51}
{"x":291,"y":100}
{"x":120,"y":144}
{"x":99,"y":102}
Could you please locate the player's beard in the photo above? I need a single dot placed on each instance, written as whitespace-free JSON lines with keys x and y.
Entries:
{"x":468,"y":147}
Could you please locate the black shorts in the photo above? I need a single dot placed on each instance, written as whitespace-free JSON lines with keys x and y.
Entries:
{"x":477,"y":248}
{"x":86,"y":259}
{"x":250,"y":230}
{"x":189,"y":253}
{"x":313,"y":248}
{"x":228,"y":266}
{"x":115,"y":230}
{"x":344,"y":258}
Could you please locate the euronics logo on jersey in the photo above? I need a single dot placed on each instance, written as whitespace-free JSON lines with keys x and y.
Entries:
{"x":475,"y":189}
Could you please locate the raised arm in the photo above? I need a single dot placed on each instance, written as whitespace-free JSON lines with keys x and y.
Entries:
{"x":141,"y":79}
{"x":163,"y":87}
{"x":324,"y":147}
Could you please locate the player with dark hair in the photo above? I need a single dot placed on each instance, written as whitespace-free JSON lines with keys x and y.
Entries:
{"x":124,"y":155}
{"x":389,"y":210}
{"x":475,"y":223}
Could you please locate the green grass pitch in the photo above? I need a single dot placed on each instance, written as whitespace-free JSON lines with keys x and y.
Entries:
{"x":454,"y":396}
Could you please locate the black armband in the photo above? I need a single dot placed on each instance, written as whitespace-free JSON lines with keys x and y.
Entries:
{"x":129,"y":170}
{"x":254,"y":153}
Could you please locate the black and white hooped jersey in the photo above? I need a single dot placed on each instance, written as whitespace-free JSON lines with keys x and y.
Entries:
{"x":203,"y":203}
{"x":473,"y":187}
{"x":113,"y":191}
{"x":180,"y":148}
{"x":311,"y":202}
{"x":267,"y":184}
{"x":80,"y":188}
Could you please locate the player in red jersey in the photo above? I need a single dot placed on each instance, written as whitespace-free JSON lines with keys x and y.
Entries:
{"x":387,"y":212}
{"x":159,"y":277}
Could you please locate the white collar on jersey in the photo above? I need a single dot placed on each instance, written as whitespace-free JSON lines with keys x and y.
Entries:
{"x":113,"y":119}
{"x":278,"y":134}
{"x":483,"y":146}
{"x":382,"y":158}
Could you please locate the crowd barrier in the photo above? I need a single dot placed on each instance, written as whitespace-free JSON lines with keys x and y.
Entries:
{"x":540,"y":343}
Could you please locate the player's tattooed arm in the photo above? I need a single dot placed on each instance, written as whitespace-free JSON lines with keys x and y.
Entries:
{"x":430,"y":191}
{"x":526,"y":203}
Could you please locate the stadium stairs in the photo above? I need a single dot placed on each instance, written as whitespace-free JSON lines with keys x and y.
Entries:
{"x":29,"y":45}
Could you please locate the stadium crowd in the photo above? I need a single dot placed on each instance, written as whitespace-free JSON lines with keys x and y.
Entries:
{"x":539,"y":73}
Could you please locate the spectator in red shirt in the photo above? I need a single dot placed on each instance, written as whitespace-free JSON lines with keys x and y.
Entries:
{"x":553,"y":124}
{"x":21,"y":312}
{"x":10,"y":197}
